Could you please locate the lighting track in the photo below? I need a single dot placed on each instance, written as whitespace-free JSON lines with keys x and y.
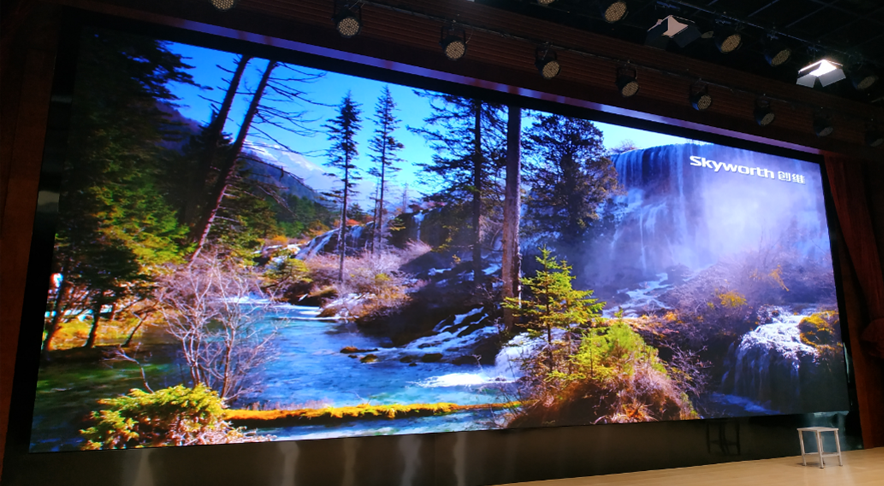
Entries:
{"x":681,"y":74}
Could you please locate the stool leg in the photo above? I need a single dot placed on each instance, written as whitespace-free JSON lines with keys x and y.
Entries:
{"x":838,"y":448}
{"x":801,"y":440}
{"x":819,"y":445}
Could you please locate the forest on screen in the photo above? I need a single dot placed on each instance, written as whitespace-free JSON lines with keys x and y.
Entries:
{"x":519,"y":274}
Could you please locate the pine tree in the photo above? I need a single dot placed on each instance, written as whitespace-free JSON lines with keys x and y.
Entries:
{"x":570,"y":176}
{"x":511,"y":261}
{"x":553,"y":304}
{"x":468,"y":138}
{"x":115,"y":225}
{"x":342,"y":157}
{"x":283,"y":109}
{"x":384,"y":147}
{"x":227,"y":168}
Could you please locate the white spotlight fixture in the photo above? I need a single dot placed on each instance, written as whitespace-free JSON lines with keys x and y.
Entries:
{"x":224,"y":5}
{"x":777,"y":53}
{"x":681,"y":30}
{"x":700,"y":98}
{"x":547,"y":62}
{"x":764,"y":115}
{"x":348,"y":22}
{"x":453,"y":42}
{"x":874,"y":138}
{"x":862,"y":78}
{"x":614,"y":11}
{"x":728,"y":41}
{"x":626,"y":82}
{"x":824,"y":71}
{"x":822,"y":126}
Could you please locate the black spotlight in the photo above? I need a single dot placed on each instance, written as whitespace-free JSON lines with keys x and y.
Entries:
{"x":777,"y":53}
{"x":700,"y":98}
{"x":453,"y":42}
{"x":862,"y":78}
{"x":874,"y":138}
{"x":728,"y":41}
{"x":626,"y":82}
{"x":348,"y":22}
{"x":764,"y":115}
{"x":224,"y":5}
{"x":547,"y":62}
{"x":614,"y":11}
{"x":822,"y":126}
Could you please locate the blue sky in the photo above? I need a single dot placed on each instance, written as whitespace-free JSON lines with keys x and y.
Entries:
{"x":330,"y":90}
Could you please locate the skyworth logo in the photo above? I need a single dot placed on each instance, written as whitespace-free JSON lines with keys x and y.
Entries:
{"x":698,"y":161}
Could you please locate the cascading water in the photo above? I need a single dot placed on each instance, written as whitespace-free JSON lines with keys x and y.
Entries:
{"x":767,"y":364}
{"x":678,"y":213}
{"x":316,"y":245}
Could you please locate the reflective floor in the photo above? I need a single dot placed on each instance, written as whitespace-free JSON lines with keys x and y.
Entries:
{"x":861,"y":468}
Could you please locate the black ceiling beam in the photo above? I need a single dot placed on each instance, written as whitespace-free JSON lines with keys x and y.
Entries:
{"x":762,"y":8}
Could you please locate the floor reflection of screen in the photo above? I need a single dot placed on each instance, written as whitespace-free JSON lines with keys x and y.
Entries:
{"x":249,"y":250}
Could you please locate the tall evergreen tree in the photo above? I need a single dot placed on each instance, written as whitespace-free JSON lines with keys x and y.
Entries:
{"x":228,"y":167}
{"x":342,"y":157}
{"x":468,"y":138}
{"x":115,"y":225}
{"x":554,"y":304}
{"x":277,"y":103}
{"x":384,"y":148}
{"x":213,"y":140}
{"x":569,"y":174}
{"x":511,"y":262}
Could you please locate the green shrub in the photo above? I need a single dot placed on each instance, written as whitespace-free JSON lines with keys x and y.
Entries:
{"x":173,"y":416}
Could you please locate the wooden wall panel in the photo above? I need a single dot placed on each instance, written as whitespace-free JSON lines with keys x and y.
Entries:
{"x":26,"y":87}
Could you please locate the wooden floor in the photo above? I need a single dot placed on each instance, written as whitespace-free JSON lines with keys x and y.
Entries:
{"x":861,"y":468}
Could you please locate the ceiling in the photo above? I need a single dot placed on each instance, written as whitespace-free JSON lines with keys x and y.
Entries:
{"x":847,"y":31}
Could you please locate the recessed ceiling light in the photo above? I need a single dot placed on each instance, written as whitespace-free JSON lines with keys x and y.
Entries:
{"x":777,"y":54}
{"x":347,"y":24}
{"x":822,"y":126}
{"x":224,"y":5}
{"x":614,"y":11}
{"x":729,"y":41}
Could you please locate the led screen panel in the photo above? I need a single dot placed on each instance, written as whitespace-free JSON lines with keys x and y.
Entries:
{"x":499,"y":267}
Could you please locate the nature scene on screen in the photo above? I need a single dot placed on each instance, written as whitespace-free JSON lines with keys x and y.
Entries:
{"x":249,"y":250}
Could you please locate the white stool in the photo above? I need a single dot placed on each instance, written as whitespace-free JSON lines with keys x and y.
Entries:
{"x":819,"y":444}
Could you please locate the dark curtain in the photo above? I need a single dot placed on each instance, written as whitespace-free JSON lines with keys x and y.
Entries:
{"x":847,"y":183}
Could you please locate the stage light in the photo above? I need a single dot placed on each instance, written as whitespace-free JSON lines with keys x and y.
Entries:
{"x":700,"y":99}
{"x":824,"y":71}
{"x":224,"y":5}
{"x":777,"y":53}
{"x":626,"y":82}
{"x":822,"y":126}
{"x":862,"y":78}
{"x":728,"y":41}
{"x":614,"y":11}
{"x":545,"y":2}
{"x":764,"y":115}
{"x":874,"y":138}
{"x":547,"y":62}
{"x":348,"y":23}
{"x":681,"y":30}
{"x":453,"y":42}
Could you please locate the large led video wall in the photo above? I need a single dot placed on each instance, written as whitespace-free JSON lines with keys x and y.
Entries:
{"x":249,"y":250}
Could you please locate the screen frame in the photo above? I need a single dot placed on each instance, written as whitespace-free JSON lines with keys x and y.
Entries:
{"x":28,"y":353}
